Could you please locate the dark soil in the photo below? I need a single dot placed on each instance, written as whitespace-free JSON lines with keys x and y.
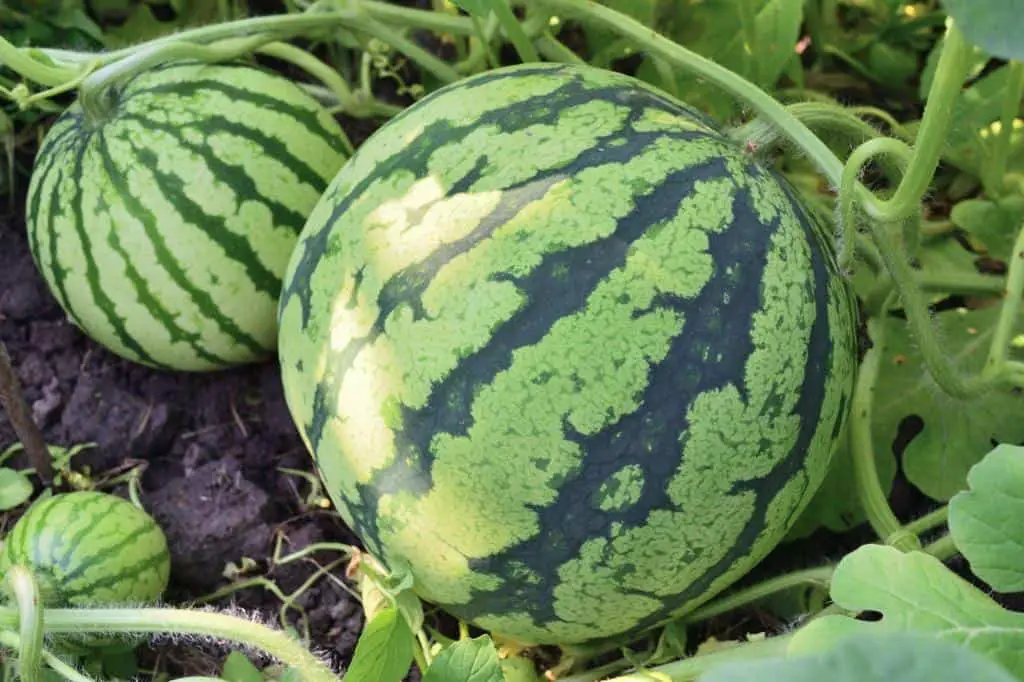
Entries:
{"x":212,"y":446}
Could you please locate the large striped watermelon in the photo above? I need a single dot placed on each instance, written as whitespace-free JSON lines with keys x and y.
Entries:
{"x":164,"y":230}
{"x":565,"y":351}
{"x":90,"y":548}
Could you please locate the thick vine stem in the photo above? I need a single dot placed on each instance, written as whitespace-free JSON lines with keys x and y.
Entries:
{"x":18,"y":60}
{"x":1005,"y":326}
{"x":819,"y":116}
{"x":820,"y":577}
{"x":93,"y":97}
{"x":942,"y":549}
{"x":659,"y":46}
{"x":21,"y":419}
{"x":950,"y":74}
{"x":693,"y":667}
{"x":861,"y":156}
{"x":184,"y":622}
{"x":314,"y":20}
{"x":23,"y":587}
{"x":870,"y":493}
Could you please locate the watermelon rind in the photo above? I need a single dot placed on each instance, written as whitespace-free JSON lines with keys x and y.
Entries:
{"x":565,"y":352}
{"x":163,"y":228}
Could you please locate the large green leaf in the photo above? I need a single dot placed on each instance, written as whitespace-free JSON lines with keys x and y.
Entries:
{"x":915,"y":592}
{"x":987,"y":522}
{"x":871,"y":658}
{"x":955,"y":434}
{"x":994,"y":25}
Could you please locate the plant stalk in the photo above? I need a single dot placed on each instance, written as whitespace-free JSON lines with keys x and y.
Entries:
{"x":692,"y":668}
{"x":872,"y":497}
{"x":21,"y":419}
{"x":1005,"y":326}
{"x":184,"y":622}
{"x":23,"y":587}
{"x":820,"y":577}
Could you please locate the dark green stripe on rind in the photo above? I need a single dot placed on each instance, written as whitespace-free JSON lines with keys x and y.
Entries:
{"x":307,"y":118}
{"x":102,"y":300}
{"x":413,"y":158}
{"x":571,"y":521}
{"x":165,"y":256}
{"x":236,"y":247}
{"x":51,"y":172}
{"x":146,"y":296}
{"x":242,"y":183}
{"x":449,"y":407}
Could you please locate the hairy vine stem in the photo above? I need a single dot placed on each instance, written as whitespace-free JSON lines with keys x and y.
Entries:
{"x":876,"y":506}
{"x":23,"y":587}
{"x":278,"y":644}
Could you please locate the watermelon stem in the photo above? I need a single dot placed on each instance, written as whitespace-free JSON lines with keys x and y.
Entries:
{"x":819,"y":577}
{"x":693,"y":667}
{"x":514,"y":31}
{"x":999,"y":350}
{"x":157,"y":621}
{"x":22,"y":585}
{"x":20,"y":417}
{"x":18,"y":60}
{"x":869,"y":489}
{"x":96,"y":96}
{"x":760,"y":101}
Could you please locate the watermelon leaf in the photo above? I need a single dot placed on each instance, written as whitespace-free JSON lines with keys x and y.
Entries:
{"x":870,"y":658}
{"x":993,"y":25}
{"x":993,"y":223}
{"x":915,"y":592}
{"x":985,"y":521}
{"x":955,"y":435}
{"x":15,"y":489}
{"x":467,"y":660}
{"x":384,"y":651}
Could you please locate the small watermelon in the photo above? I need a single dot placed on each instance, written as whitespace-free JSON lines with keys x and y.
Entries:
{"x":164,"y":230}
{"x":565,"y":352}
{"x":90,"y":548}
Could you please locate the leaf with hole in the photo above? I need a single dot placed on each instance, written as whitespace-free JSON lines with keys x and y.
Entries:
{"x":955,"y":434}
{"x":914,"y":592}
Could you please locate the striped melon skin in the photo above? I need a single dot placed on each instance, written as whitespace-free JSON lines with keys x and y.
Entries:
{"x":89,"y":548}
{"x":565,"y":352}
{"x":163,"y":231}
